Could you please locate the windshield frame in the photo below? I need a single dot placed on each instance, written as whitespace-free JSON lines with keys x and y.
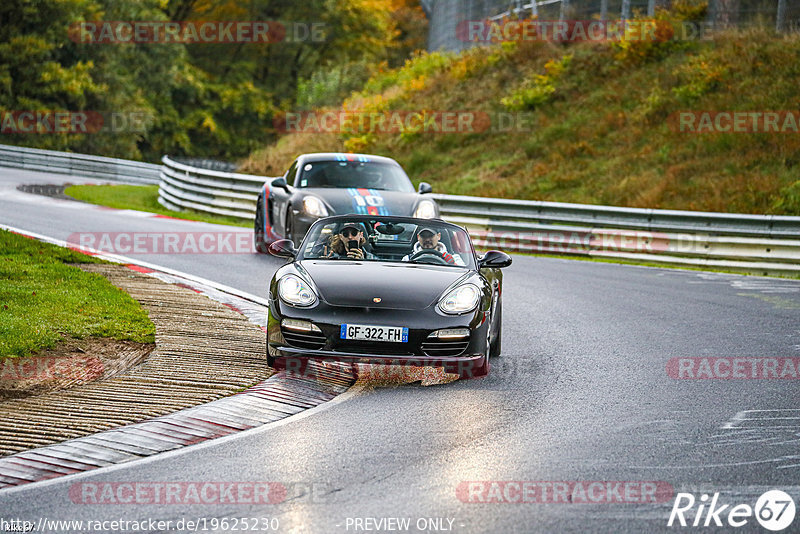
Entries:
{"x":472,"y":264}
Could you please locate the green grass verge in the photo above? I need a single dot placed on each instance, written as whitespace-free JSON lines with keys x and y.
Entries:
{"x":142,"y":198}
{"x":42,"y":300}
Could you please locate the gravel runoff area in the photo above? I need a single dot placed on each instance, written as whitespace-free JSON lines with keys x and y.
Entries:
{"x":204,"y":351}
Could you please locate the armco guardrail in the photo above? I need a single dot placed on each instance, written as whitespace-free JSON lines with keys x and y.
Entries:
{"x":79,"y":165}
{"x":764,"y":244}
{"x":522,"y":213}
{"x":217,"y":192}
{"x":761,"y":244}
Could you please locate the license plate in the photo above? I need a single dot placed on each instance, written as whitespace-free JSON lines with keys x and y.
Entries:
{"x":365,"y":332}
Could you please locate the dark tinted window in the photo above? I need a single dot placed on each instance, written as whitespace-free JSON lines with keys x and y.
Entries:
{"x":290,"y":174}
{"x":343,"y":174}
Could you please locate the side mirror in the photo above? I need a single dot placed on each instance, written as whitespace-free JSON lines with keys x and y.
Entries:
{"x":425,"y":187}
{"x":494,"y":259}
{"x":280,"y":182}
{"x":283,"y":248}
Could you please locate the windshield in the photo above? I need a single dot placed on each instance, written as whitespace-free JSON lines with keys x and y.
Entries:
{"x":375,"y":239}
{"x":343,"y":174}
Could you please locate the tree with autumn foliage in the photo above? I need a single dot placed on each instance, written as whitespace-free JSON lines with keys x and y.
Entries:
{"x":204,"y":99}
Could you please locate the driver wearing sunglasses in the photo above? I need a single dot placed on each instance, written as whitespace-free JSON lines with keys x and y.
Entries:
{"x":349,"y":243}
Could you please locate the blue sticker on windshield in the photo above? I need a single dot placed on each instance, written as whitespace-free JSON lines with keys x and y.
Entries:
{"x":351,"y":157}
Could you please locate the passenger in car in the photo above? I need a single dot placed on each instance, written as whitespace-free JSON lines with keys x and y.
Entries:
{"x":349,"y":242}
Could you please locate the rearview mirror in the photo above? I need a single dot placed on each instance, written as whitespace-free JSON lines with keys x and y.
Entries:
{"x":494,"y":259}
{"x":390,"y":229}
{"x":283,"y":248}
{"x":425,"y":187}
{"x":280,"y":182}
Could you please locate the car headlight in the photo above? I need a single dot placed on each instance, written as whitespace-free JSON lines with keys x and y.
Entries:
{"x":295,"y":291}
{"x":461,"y":299}
{"x":426,"y":209}
{"x":314,"y":207}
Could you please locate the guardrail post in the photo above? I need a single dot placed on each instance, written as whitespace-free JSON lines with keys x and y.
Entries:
{"x":626,"y":10}
{"x":564,"y":10}
{"x":780,"y":18}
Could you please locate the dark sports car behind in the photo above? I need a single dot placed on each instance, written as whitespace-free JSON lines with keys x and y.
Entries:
{"x":326,"y":184}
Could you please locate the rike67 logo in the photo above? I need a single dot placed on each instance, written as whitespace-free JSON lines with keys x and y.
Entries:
{"x":774,"y":510}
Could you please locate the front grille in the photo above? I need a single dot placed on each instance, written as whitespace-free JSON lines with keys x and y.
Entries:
{"x":375,"y":347}
{"x":304,"y":340}
{"x":437,"y":347}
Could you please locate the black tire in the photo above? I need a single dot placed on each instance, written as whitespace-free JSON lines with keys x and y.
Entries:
{"x":271,"y":357}
{"x":495,"y":349}
{"x":289,"y":234}
{"x":259,"y":239}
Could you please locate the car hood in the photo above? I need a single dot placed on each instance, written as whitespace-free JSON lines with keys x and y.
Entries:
{"x":399,"y":286}
{"x":343,"y":201}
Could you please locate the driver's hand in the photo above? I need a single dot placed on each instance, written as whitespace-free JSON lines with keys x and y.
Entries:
{"x":355,"y":253}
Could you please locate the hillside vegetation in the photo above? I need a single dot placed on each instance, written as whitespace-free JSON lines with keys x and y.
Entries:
{"x":150,"y":96}
{"x":602,"y":122}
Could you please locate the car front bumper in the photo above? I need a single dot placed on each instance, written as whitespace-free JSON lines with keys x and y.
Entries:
{"x":294,"y":359}
{"x":285,"y":352}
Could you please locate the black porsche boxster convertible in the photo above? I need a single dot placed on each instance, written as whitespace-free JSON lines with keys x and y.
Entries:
{"x":394,"y":290}
{"x":320,"y":185}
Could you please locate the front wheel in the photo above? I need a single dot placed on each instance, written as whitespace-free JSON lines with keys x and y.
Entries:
{"x":290,"y":228}
{"x":259,"y":239}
